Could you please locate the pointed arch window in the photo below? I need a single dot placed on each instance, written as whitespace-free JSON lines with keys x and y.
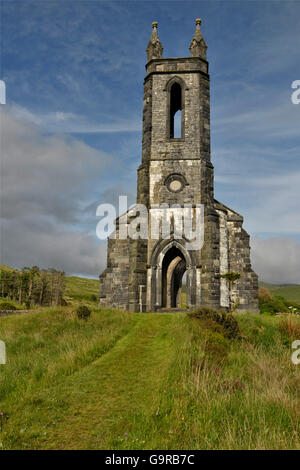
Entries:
{"x":175,"y":111}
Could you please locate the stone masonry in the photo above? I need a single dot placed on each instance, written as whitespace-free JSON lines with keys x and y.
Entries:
{"x":146,"y":274}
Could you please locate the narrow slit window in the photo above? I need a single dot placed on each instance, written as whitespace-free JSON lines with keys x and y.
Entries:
{"x":175,"y":112}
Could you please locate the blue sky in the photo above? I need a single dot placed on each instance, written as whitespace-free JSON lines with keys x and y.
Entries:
{"x":74,"y":75}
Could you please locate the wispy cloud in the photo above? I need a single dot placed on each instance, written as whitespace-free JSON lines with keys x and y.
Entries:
{"x":66,"y":122}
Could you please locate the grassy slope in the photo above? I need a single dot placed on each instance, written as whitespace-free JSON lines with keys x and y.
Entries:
{"x":81,"y":289}
{"x":77,"y":384}
{"x":290,"y":292}
{"x":3,"y":267}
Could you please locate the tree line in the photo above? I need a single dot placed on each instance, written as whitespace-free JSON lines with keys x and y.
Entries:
{"x":33,"y":286}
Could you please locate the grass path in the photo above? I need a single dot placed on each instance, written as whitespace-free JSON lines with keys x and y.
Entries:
{"x":96,"y":406}
{"x":147,"y":381}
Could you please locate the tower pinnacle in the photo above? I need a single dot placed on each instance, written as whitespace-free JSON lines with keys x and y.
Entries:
{"x":198,"y":45}
{"x":155,"y":48}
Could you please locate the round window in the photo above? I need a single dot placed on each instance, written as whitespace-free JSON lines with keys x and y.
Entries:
{"x":175,"y":182}
{"x":175,"y":185}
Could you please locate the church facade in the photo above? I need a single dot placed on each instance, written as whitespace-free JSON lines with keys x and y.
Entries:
{"x":145,"y":274}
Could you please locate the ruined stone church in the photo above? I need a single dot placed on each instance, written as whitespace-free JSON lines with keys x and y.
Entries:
{"x":144,"y":275}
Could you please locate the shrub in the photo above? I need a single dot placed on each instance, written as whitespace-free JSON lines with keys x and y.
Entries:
{"x":216,"y":352}
{"x":276,"y":304}
{"x":7,"y":306}
{"x":228,"y":323}
{"x":216,"y":338}
{"x":264,"y":292}
{"x":203,"y":312}
{"x":83,"y":312}
{"x":94,"y":298}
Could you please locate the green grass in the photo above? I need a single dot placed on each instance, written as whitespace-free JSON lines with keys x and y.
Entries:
{"x":81,"y":289}
{"x":72,"y":384}
{"x":3,"y":267}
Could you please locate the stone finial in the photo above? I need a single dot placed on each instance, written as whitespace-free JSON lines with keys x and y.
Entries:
{"x":198,"y":45}
{"x":154,"y":49}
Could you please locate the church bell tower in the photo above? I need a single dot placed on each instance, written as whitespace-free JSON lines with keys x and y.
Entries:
{"x":176,"y":169}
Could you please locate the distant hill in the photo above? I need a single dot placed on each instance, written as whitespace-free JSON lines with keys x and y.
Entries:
{"x":289,"y":291}
{"x":7,"y":268}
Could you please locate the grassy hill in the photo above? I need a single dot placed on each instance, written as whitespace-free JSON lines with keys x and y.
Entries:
{"x":3,"y":267}
{"x":289,"y":291}
{"x":81,"y":289}
{"x":147,"y":381}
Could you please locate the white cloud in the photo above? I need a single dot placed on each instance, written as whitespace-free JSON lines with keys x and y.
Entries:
{"x":276,"y":260}
{"x":269,"y":203}
{"x":65,"y":122}
{"x":48,"y":246}
{"x":46,"y":182}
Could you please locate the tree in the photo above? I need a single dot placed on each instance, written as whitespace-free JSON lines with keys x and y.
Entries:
{"x":33,"y":286}
{"x":3,"y":283}
{"x":33,"y":272}
{"x":52,"y":274}
{"x":14,"y":285}
{"x":23,"y":283}
{"x":43,"y":287}
{"x":231,"y":277}
{"x":60,"y":285}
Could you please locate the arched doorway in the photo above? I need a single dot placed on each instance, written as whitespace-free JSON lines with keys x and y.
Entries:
{"x":170,"y":263}
{"x":173,"y":269}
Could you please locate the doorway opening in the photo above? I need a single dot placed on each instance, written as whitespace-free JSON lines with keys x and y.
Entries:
{"x":173,"y":269}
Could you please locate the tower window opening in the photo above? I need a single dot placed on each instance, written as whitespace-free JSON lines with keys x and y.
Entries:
{"x":175,"y":112}
{"x":177,"y":124}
